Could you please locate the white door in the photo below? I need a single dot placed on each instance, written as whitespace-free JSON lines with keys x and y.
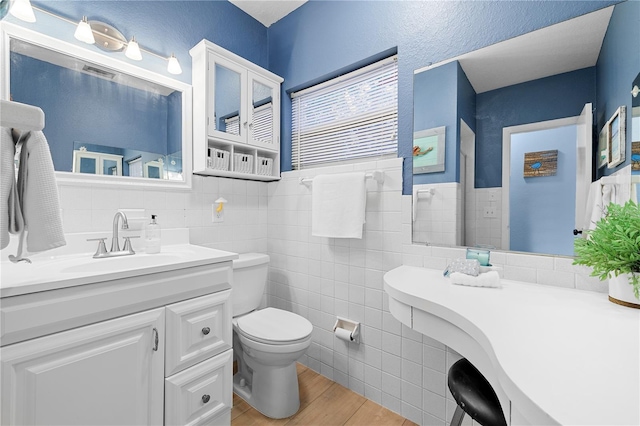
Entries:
{"x":583,"y":169}
{"x":110,"y":373}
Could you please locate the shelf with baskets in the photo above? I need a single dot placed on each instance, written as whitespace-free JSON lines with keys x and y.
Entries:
{"x":236,"y":123}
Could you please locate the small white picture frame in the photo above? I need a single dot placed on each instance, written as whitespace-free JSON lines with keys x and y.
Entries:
{"x":617,"y":137}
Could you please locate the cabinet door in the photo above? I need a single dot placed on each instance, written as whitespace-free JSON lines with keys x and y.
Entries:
{"x":264,"y":112}
{"x":226,"y":117}
{"x":201,"y":394}
{"x":110,"y":373}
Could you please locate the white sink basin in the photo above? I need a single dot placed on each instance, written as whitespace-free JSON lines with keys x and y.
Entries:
{"x":54,"y":272}
{"x":136,"y":261}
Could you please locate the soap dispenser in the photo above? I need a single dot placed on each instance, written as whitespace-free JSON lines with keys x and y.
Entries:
{"x":153,"y":236}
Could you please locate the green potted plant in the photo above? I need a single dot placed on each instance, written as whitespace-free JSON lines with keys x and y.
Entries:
{"x":612,"y":250}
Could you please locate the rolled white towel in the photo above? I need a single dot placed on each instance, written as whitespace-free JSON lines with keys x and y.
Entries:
{"x":485,"y":279}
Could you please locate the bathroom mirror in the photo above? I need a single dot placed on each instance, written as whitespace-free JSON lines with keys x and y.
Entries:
{"x":545,"y":77}
{"x":106,"y":120}
{"x":635,"y":134}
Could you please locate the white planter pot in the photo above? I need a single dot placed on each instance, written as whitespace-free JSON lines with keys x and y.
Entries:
{"x":621,"y":291}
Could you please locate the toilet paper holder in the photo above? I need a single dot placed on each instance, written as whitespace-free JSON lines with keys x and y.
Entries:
{"x":343,"y":325}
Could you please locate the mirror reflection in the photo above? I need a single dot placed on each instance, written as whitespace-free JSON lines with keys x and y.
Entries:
{"x":635,"y":134}
{"x":518,"y":141}
{"x":98,"y":120}
{"x":262,"y":113}
{"x":227,"y":100}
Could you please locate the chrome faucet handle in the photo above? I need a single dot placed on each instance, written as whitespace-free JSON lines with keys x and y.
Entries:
{"x":102,"y":248}
{"x":127,"y":244}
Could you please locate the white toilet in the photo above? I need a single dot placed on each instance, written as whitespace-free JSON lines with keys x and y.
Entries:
{"x":266,"y":342}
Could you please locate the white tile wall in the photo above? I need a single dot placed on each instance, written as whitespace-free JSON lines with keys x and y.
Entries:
{"x":88,"y":208}
{"x":320,"y":278}
{"x":435,"y":214}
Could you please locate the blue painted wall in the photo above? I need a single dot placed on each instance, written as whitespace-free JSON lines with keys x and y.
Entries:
{"x":323,"y":36}
{"x":80,"y":107}
{"x":436,"y":107}
{"x":617,"y":67}
{"x":542,"y":209}
{"x":163,"y":27}
{"x":550,"y":98}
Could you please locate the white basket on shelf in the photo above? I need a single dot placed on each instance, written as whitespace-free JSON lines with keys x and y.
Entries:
{"x":243,"y":163}
{"x":264,"y":166}
{"x":219,"y":159}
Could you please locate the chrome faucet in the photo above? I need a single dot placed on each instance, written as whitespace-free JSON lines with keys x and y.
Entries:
{"x":115,"y":245}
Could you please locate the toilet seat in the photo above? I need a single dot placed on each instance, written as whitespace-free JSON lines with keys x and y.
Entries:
{"x":274,"y":326}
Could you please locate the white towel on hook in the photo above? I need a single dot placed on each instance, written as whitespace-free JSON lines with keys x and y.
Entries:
{"x":414,"y":204}
{"x":10,"y":215}
{"x":38,"y":193}
{"x":338,"y":204}
{"x":606,"y":190}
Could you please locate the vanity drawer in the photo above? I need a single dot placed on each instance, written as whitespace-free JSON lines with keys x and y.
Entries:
{"x":197,"y":329}
{"x":201,"y":394}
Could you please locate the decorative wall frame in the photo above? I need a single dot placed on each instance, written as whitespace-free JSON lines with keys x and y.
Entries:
{"x":635,"y":156}
{"x":428,"y":150}
{"x":617,"y":137}
{"x":540,"y":163}
{"x":603,"y":147}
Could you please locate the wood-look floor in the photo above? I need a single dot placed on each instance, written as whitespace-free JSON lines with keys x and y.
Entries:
{"x":322,"y":402}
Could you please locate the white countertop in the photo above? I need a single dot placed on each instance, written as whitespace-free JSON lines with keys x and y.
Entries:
{"x":68,"y":270}
{"x":570,"y":353}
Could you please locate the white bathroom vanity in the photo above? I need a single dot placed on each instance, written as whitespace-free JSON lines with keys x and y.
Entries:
{"x":142,"y":339}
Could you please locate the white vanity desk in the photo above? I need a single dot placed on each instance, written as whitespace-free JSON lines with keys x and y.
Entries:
{"x":553,"y":355}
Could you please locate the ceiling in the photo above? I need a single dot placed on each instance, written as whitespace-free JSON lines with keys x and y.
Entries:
{"x":268,"y":11}
{"x":568,"y":46}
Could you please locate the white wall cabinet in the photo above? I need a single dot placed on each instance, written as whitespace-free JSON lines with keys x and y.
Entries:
{"x":170,"y":364}
{"x":236,"y":118}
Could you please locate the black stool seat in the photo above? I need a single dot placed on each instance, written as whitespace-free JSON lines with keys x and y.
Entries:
{"x":474,"y":394}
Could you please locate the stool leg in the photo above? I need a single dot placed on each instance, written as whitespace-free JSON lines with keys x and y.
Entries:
{"x":457,"y":416}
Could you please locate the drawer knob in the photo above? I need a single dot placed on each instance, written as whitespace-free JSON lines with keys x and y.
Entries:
{"x":206,"y":330}
{"x":205,"y":398}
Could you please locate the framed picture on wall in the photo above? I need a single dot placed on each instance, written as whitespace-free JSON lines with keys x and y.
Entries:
{"x":617,"y":137}
{"x":603,"y":147}
{"x":428,"y":150}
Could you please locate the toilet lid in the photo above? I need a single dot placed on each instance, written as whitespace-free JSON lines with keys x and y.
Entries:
{"x":274,"y":325}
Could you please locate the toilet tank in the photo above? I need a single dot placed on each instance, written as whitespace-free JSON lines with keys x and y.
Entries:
{"x":249,"y":280}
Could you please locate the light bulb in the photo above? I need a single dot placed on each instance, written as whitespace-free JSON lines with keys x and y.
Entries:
{"x":22,"y":10}
{"x":174,"y":65}
{"x":84,"y":32}
{"x":635,"y":91}
{"x":133,"y":50}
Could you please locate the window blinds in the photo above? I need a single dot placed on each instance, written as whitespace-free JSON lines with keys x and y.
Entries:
{"x":262,"y":123}
{"x":350,"y":117}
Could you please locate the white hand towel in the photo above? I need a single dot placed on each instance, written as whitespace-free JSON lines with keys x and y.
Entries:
{"x":485,"y":279}
{"x":38,"y":195}
{"x":414,"y":204}
{"x":594,"y":210}
{"x":10,"y":214}
{"x":338,"y":205}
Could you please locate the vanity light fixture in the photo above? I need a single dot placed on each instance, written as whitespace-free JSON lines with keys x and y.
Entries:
{"x":102,"y":35}
{"x":84,"y":32}
{"x":133,"y":50}
{"x":23,"y":10}
{"x":174,"y":65}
